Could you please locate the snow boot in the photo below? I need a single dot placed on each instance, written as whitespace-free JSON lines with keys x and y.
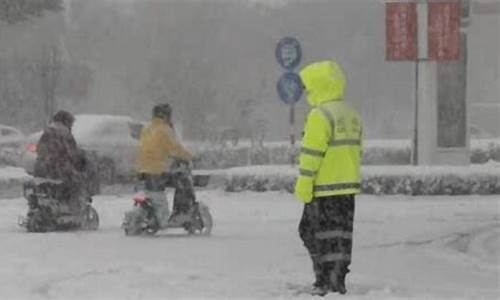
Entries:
{"x":320,"y":286}
{"x":337,"y":282}
{"x":319,"y":290}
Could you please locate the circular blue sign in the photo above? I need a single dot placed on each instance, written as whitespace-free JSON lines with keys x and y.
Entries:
{"x":288,"y":53}
{"x":290,"y":88}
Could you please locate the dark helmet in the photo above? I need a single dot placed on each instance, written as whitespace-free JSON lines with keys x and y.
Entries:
{"x":163,"y":111}
{"x":64,"y":117}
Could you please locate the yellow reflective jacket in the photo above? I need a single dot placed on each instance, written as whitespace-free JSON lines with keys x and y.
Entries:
{"x":157,"y":144}
{"x":331,"y":151}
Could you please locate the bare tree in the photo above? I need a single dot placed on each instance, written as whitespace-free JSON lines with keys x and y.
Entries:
{"x":49,"y":68}
{"x":13,"y":11}
{"x":16,"y":83}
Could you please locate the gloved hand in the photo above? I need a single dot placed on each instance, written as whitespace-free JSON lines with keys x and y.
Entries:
{"x":195,"y":159}
{"x":304,"y":189}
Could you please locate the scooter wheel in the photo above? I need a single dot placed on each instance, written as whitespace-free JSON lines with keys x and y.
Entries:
{"x":206,"y":219}
{"x":33,"y":225}
{"x":133,"y":222}
{"x":37,"y":221}
{"x":152,"y":227}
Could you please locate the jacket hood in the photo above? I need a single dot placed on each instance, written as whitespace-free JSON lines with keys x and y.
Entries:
{"x":60,"y":126}
{"x":324,"y":82}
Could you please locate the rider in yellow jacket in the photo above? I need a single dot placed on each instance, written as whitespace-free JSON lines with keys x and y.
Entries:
{"x":329,"y":177}
{"x":157,"y":145}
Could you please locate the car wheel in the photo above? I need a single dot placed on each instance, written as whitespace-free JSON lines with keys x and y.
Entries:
{"x":107,"y":172}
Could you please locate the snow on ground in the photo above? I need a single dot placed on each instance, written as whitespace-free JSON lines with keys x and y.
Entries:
{"x":404,"y":247}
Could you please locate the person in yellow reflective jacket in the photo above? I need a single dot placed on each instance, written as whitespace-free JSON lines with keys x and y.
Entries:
{"x":329,"y":177}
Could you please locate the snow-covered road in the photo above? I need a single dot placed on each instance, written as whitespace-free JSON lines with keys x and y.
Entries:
{"x":404,"y":247}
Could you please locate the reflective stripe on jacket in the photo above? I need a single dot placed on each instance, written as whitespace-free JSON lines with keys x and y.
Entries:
{"x":332,"y":142}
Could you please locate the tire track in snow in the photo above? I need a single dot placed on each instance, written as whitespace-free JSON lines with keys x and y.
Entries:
{"x":44,"y":289}
{"x":480,"y":243}
{"x":460,"y":241}
{"x":399,"y":243}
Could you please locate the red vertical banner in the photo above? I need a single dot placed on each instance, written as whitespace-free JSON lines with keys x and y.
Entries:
{"x":401,"y":31}
{"x":444,"y":30}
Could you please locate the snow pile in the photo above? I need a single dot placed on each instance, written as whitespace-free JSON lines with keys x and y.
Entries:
{"x":432,"y":180}
{"x":11,"y":181}
{"x":260,"y":178}
{"x":387,"y":152}
{"x":483,"y":150}
{"x":227,"y":156}
{"x":376,"y":152}
{"x":380,"y":180}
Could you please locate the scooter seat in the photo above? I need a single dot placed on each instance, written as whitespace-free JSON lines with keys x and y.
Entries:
{"x":40,"y":180}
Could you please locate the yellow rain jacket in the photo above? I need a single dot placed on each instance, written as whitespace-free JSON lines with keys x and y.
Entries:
{"x":331,"y":151}
{"x":157,"y":144}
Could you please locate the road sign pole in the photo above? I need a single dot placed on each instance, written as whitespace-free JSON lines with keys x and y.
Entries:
{"x":288,"y":54}
{"x":421,"y":59}
{"x":414,"y":157}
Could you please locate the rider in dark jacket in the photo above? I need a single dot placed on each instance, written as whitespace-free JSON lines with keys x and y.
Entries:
{"x":59,"y":158}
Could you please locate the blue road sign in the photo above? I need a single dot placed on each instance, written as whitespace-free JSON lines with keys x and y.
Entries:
{"x":288,"y":53}
{"x":290,"y":88}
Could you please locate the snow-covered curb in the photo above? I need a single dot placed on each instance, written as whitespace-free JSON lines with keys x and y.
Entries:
{"x":380,"y":180}
{"x":376,"y":152}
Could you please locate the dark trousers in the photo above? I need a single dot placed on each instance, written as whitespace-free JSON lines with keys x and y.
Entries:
{"x":326,"y":229}
{"x":184,"y":196}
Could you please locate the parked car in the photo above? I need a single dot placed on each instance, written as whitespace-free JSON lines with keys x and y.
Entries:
{"x":110,"y":140}
{"x":11,"y":142}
